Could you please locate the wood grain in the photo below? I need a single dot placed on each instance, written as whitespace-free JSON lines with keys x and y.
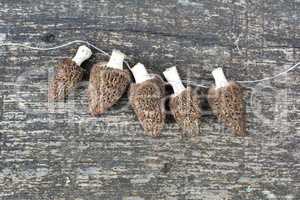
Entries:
{"x":57,"y":151}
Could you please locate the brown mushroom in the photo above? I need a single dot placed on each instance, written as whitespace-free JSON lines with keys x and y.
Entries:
{"x":184,"y":104}
{"x":226,"y":101}
{"x":108,"y":82}
{"x":67,"y":75}
{"x":146,"y":97}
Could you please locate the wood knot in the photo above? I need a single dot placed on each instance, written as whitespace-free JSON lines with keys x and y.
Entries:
{"x":48,"y":38}
{"x":166,"y":168}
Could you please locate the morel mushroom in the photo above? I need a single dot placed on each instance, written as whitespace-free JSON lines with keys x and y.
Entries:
{"x":184,"y":104}
{"x":68,"y":74}
{"x":146,"y":97}
{"x":108,"y":82}
{"x":226,"y":101}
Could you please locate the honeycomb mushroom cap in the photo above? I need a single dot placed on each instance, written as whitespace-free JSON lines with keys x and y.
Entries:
{"x":67,"y":75}
{"x":106,"y":87}
{"x":186,"y":110}
{"x":146,"y":99}
{"x":228,"y":105}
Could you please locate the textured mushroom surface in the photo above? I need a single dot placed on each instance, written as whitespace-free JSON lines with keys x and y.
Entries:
{"x":58,"y":152}
{"x":228,"y":105}
{"x":106,"y":87}
{"x":146,"y":99}
{"x":185,"y":108}
{"x":66,"y":77}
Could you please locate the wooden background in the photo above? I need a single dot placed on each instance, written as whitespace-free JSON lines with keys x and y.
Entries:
{"x":57,"y":151}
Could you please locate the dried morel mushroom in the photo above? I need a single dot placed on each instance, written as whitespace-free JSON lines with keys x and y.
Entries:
{"x":108,"y":82}
{"x":184,"y":104}
{"x":146,"y":97}
{"x":68,"y":74}
{"x":226,"y":101}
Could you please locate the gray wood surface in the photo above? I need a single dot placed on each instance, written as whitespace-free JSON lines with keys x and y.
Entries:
{"x":57,"y":151}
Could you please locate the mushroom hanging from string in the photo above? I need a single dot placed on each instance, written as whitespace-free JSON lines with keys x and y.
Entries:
{"x":108,"y":83}
{"x":68,"y":74}
{"x":147,"y":99}
{"x":226,"y":101}
{"x":184,"y":104}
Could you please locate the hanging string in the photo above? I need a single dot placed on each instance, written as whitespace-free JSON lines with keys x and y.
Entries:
{"x":194,"y":84}
{"x":252,"y":81}
{"x":61,"y":46}
{"x":127,"y":64}
{"x":272,"y":77}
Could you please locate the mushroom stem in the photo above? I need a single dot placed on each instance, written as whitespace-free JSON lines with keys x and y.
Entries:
{"x":116,"y":60}
{"x":220,"y":79}
{"x":140,"y":73}
{"x":173,"y":78}
{"x":83,"y":53}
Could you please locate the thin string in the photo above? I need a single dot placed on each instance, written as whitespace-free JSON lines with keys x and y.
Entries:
{"x":194,"y":84}
{"x":272,"y":77}
{"x":127,"y":64}
{"x":61,"y":46}
{"x":251,"y":81}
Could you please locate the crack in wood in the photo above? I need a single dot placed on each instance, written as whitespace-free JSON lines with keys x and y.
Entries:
{"x":1,"y":106}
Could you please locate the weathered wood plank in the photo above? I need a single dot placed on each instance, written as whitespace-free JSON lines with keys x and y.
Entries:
{"x":57,"y":151}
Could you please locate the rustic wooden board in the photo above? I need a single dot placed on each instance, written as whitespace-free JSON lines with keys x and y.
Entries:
{"x":57,"y":151}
